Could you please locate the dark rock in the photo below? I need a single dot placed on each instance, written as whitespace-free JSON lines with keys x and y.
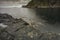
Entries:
{"x":43,"y":4}
{"x":21,"y":30}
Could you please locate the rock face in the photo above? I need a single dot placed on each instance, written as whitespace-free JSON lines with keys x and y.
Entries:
{"x":43,"y":3}
{"x":18,"y":29}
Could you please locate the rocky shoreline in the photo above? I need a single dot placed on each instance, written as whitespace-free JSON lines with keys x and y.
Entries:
{"x":18,"y":29}
{"x":43,"y":4}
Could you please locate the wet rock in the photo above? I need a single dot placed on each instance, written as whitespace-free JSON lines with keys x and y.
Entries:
{"x":18,"y":29}
{"x":13,"y":25}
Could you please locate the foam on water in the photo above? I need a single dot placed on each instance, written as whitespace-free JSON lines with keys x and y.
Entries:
{"x":18,"y":6}
{"x":3,"y":25}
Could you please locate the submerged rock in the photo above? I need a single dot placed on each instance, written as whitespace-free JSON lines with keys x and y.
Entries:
{"x":18,"y":29}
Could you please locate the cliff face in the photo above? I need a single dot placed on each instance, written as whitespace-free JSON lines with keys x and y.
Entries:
{"x":43,"y":3}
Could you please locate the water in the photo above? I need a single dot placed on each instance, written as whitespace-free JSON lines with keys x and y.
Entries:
{"x":2,"y":25}
{"x":34,"y":15}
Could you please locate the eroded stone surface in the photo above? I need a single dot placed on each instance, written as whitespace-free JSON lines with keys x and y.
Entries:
{"x":18,"y":29}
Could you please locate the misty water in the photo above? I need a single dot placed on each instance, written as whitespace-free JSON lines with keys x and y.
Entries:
{"x":34,"y":15}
